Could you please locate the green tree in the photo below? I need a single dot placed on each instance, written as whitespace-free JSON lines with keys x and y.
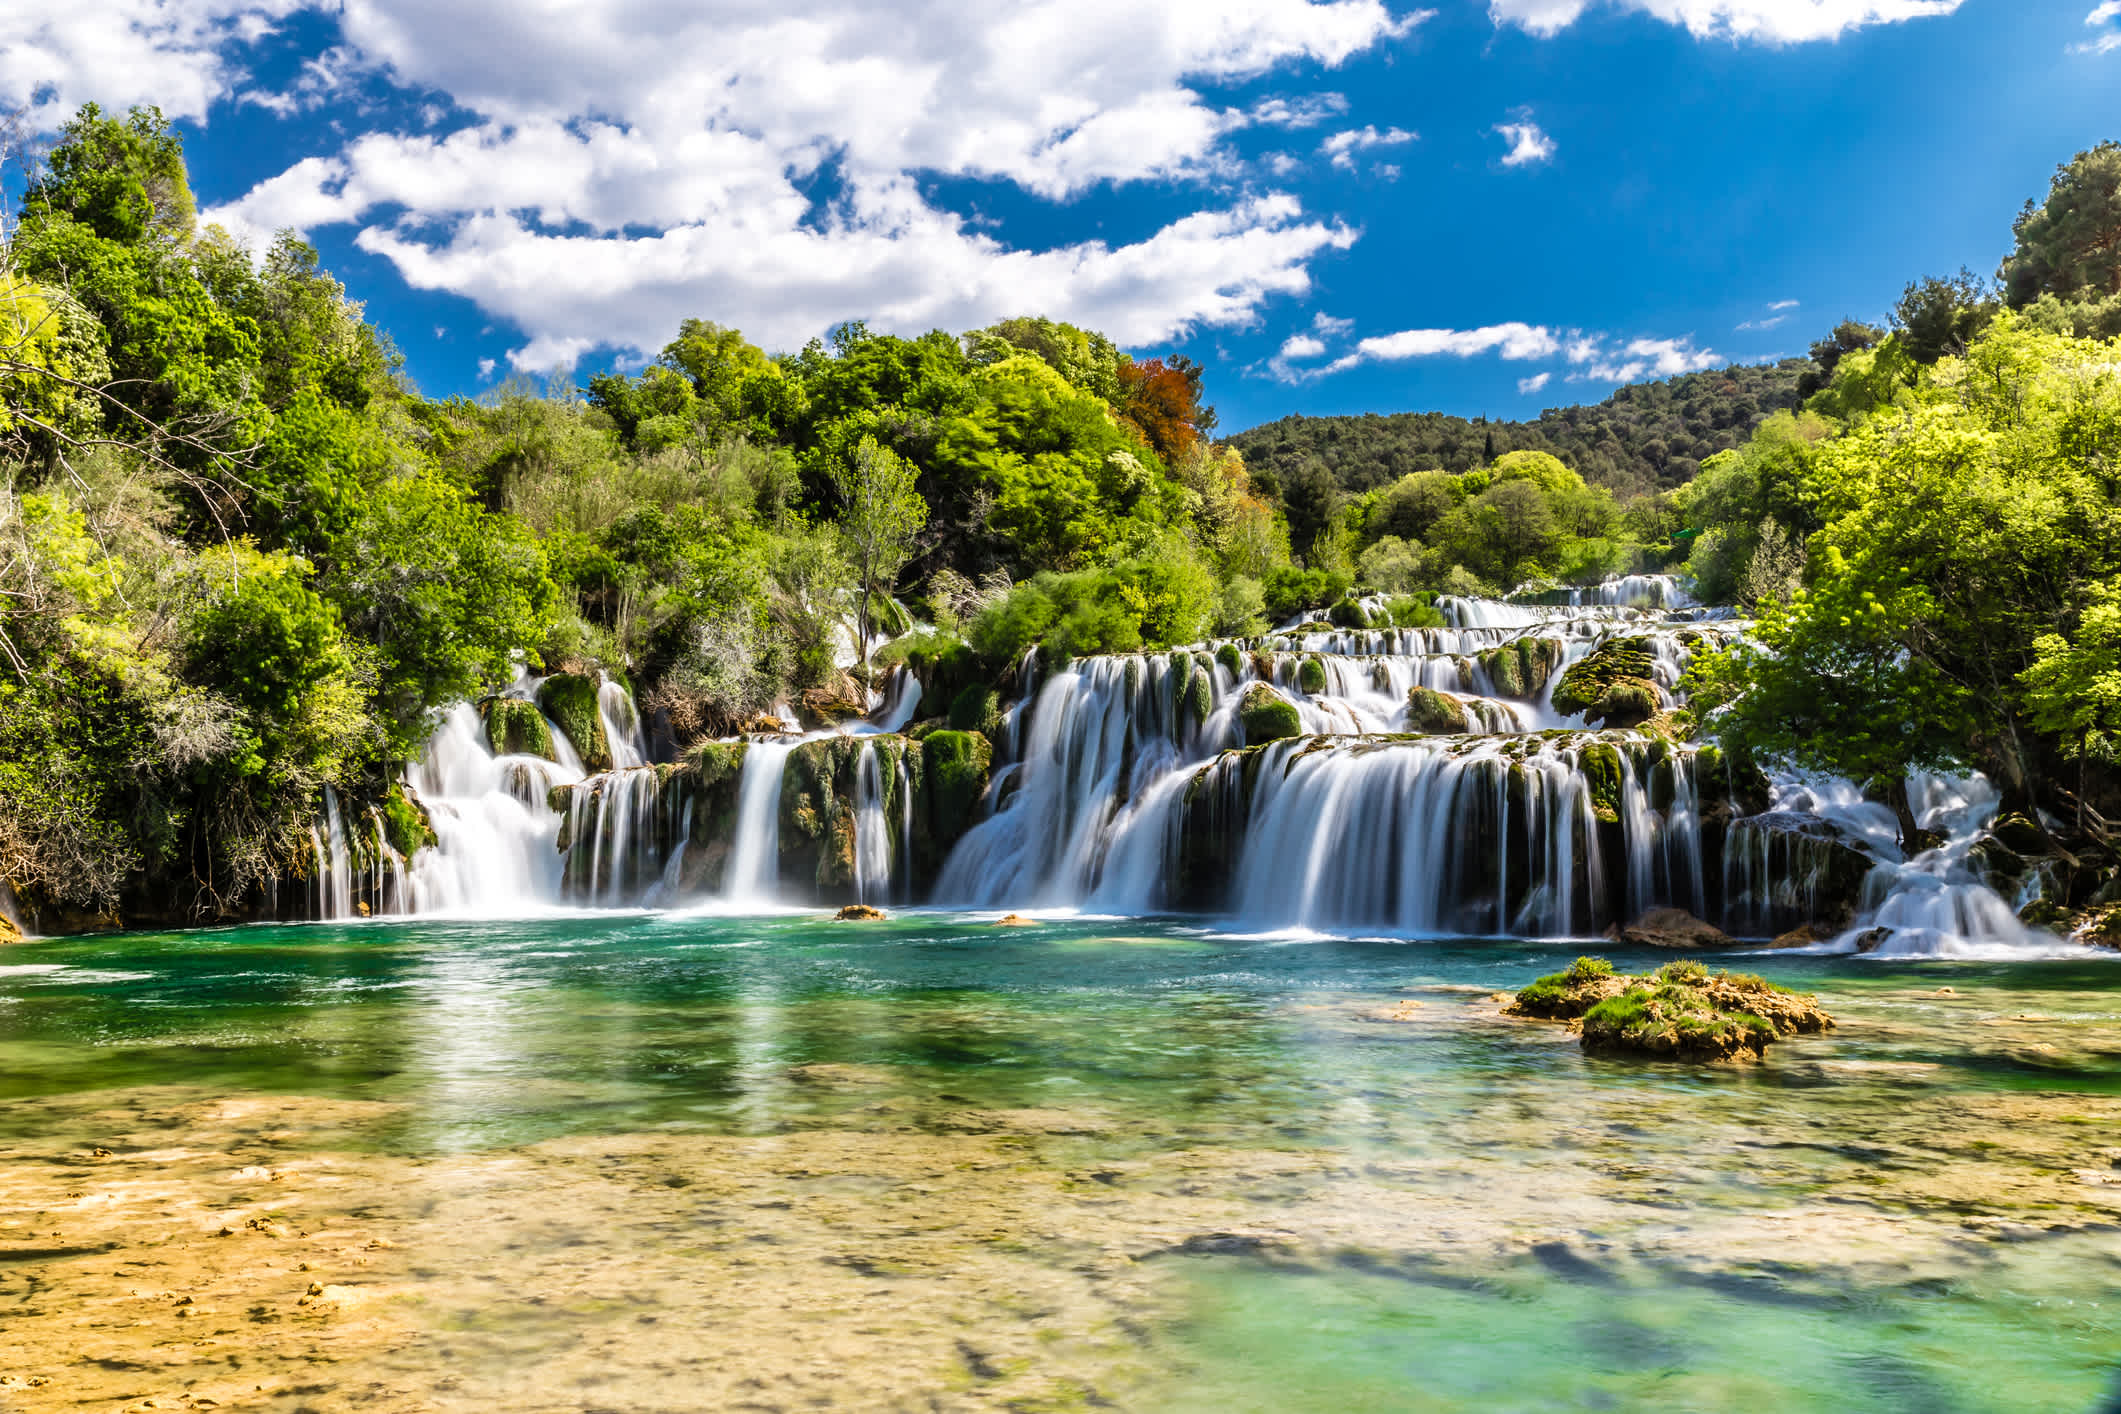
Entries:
{"x":2068,"y":252}
{"x":881,"y":514}
{"x":124,"y":181}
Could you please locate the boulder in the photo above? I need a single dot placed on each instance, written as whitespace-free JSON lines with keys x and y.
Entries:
{"x":9,"y":933}
{"x":820,"y":708}
{"x":1433,"y":713}
{"x":1311,"y":676}
{"x":858,"y":913}
{"x":1014,"y":920}
{"x":1265,"y":715}
{"x":1612,"y":686}
{"x":978,"y":708}
{"x":1804,"y":935}
{"x":1673,"y":928}
{"x":1232,"y":659}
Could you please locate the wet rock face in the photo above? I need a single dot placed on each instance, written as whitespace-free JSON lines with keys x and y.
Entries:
{"x":1265,"y":715}
{"x":517,"y":728}
{"x":1785,"y":869}
{"x":1433,"y":714}
{"x":1671,"y":928}
{"x":1613,"y":686}
{"x":570,"y":701}
{"x":1521,"y":668}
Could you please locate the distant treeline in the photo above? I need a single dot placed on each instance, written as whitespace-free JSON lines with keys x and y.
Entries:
{"x":1646,"y":437}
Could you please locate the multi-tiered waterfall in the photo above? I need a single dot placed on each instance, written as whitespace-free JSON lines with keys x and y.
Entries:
{"x":1438,"y":780}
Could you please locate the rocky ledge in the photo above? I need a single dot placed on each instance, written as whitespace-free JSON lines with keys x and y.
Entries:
{"x":1682,"y":1011}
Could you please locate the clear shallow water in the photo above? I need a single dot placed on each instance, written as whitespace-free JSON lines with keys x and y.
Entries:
{"x":1340,"y":1180}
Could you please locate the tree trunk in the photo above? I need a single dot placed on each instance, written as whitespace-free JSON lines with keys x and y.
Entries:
{"x":1904,"y":814}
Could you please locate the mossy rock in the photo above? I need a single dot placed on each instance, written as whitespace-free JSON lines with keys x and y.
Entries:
{"x":978,"y":708}
{"x":569,"y":702}
{"x":1682,"y":1011}
{"x":957,"y":764}
{"x":1232,"y":658}
{"x":1613,"y":686}
{"x":405,"y":821}
{"x":1434,"y":713}
{"x":517,"y":728}
{"x":1521,"y":667}
{"x":1197,"y":696}
{"x":1265,"y":715}
{"x":1311,"y":676}
{"x":714,"y":762}
{"x":1604,"y":773}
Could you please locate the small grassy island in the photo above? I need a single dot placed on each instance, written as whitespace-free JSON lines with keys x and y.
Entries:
{"x":1681,"y":1011}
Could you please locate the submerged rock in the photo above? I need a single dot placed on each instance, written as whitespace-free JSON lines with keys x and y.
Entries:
{"x":1682,"y":1011}
{"x":858,"y":913}
{"x":1014,"y":920}
{"x":1672,"y":928}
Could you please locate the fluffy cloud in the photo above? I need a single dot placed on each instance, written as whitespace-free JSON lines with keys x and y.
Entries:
{"x":176,"y":53}
{"x":2104,"y":18}
{"x":1529,"y":144}
{"x":1636,"y":359}
{"x":1512,"y":341}
{"x":1768,"y":21}
{"x":628,"y":162}
{"x":1590,"y":357}
{"x":1341,"y":147}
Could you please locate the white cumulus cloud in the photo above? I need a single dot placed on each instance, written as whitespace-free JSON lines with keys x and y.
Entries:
{"x":2103,"y":17}
{"x":1533,"y":384}
{"x":1529,"y":144}
{"x":1767,"y":21}
{"x":1341,"y":147}
{"x":1512,"y":341}
{"x":627,"y":163}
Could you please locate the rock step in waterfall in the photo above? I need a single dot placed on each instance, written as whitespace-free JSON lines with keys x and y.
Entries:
{"x":1503,"y":774}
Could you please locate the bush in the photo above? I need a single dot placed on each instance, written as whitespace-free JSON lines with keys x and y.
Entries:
{"x":976,"y":708}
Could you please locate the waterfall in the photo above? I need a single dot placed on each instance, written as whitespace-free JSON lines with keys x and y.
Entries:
{"x":1432,"y":789}
{"x":496,"y":835}
{"x":621,"y":724}
{"x":335,"y":890}
{"x":872,"y":833}
{"x":755,"y":856}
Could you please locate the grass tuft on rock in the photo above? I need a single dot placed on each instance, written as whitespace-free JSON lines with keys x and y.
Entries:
{"x":1682,"y":1011}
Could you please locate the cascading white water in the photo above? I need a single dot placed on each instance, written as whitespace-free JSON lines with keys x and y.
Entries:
{"x":335,"y":890}
{"x":622,"y":726}
{"x":1111,"y":791}
{"x":495,"y":848}
{"x":755,"y":857}
{"x":872,"y":833}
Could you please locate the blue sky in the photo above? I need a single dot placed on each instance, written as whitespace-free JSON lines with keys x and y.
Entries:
{"x":1339,"y":206}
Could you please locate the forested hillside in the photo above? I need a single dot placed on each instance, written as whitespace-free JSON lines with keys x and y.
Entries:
{"x":243,"y":560}
{"x":1645,"y":437}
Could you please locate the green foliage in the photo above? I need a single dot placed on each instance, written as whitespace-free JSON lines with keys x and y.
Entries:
{"x":2069,"y":246}
{"x":405,"y":822}
{"x":1136,"y":604}
{"x":1311,"y":676}
{"x":1289,"y":591}
{"x":976,"y":708}
{"x":445,"y":591}
{"x":1969,"y":538}
{"x":1643,"y":437}
{"x":125,"y":181}
{"x":957,"y":765}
